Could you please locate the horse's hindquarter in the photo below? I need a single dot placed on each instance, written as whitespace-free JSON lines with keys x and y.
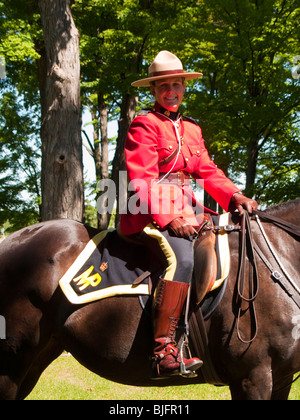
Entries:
{"x":34,"y":259}
{"x":32,"y":263}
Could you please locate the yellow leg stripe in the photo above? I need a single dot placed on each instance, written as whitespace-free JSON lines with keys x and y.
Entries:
{"x":166,"y":249}
{"x":223,"y":251}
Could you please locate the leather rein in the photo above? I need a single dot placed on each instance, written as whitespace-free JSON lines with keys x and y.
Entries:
{"x":249,"y":248}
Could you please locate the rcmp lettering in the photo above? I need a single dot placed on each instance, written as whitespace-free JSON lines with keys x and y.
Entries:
{"x":85,"y":280}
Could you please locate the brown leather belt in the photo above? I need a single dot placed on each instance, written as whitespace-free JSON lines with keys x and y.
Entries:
{"x":178,"y":178}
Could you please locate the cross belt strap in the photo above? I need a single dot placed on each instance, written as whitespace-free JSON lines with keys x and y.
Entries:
{"x":169,"y":158}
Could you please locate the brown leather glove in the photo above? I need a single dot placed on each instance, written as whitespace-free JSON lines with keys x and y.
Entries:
{"x":240,"y":202}
{"x":181,"y":228}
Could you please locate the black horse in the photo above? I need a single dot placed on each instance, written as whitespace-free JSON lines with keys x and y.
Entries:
{"x":112,"y":337}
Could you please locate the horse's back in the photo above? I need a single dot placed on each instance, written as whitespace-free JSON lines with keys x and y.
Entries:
{"x":40,"y":252}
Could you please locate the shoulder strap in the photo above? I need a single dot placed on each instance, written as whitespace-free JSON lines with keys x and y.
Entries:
{"x":144,"y":112}
{"x":189,"y":119}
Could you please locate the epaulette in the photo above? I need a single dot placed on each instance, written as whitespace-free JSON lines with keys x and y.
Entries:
{"x":144,"y":112}
{"x":189,"y":119}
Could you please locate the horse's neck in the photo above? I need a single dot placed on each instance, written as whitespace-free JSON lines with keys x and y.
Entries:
{"x":290,"y":212}
{"x":291,"y":217}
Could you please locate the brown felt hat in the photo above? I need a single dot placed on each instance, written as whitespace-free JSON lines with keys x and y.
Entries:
{"x":165,"y":65}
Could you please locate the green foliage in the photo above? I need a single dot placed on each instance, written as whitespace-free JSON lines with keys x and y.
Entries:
{"x":15,"y":34}
{"x":19,"y":115}
{"x":19,"y":154}
{"x":247,"y":102}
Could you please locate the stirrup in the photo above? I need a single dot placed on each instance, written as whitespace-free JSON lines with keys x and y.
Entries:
{"x":184,"y":372}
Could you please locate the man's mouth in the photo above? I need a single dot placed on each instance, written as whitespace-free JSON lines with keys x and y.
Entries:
{"x":171,"y":99}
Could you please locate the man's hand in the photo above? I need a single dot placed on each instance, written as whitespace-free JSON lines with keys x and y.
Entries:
{"x":181,"y":228}
{"x":240,"y":202}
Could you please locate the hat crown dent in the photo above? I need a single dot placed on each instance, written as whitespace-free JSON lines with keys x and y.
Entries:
{"x":165,"y":61}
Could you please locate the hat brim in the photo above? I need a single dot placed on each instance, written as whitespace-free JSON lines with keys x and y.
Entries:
{"x":146,"y":82}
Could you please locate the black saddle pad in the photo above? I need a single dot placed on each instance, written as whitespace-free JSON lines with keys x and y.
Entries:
{"x":107,"y":267}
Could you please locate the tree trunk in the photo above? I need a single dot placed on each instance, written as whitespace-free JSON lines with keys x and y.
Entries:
{"x":210,"y":203}
{"x":103,"y":219}
{"x":128,"y":108}
{"x":252,"y":165}
{"x":59,"y":72}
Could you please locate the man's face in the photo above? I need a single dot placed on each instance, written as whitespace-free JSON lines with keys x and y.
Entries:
{"x":169,"y":92}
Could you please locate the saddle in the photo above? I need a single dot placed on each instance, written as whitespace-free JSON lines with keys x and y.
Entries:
{"x":211,"y":255}
{"x":113,"y":265}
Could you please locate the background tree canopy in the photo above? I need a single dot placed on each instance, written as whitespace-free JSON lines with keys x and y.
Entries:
{"x":247,"y":102}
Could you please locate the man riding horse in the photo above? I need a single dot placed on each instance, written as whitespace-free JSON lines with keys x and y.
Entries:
{"x":163,"y":149}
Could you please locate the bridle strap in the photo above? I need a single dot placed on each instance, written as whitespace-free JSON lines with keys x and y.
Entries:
{"x":287,"y":226}
{"x":248,"y":246}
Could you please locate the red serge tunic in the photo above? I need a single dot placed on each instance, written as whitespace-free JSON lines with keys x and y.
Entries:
{"x":151,"y":139}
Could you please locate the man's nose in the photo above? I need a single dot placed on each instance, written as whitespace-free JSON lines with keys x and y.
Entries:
{"x":170,"y":90}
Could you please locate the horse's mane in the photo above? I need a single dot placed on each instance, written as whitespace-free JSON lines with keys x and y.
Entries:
{"x":286,"y":206}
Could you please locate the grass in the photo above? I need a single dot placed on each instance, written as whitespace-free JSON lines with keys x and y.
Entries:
{"x":66,"y":379}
